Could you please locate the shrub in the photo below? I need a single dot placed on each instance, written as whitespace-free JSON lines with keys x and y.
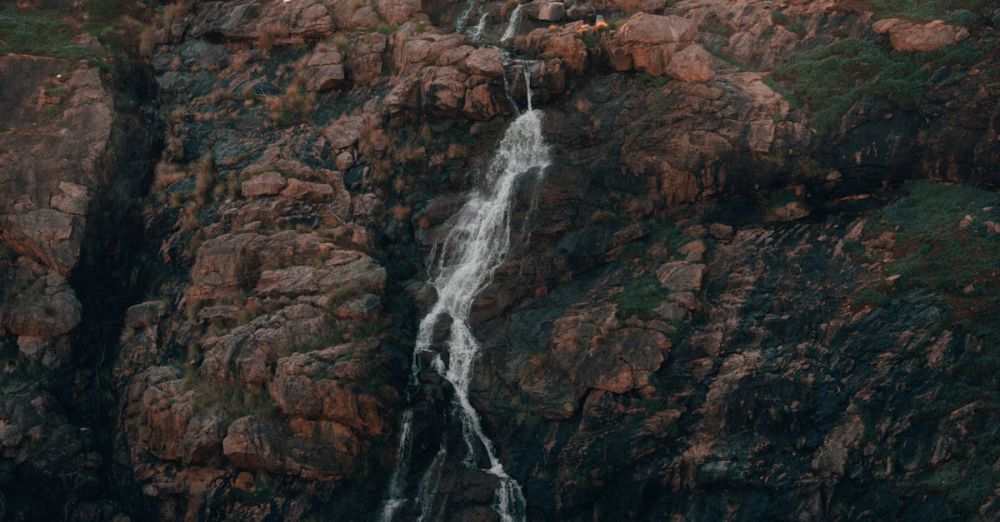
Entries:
{"x":294,"y":106}
{"x":962,"y":17}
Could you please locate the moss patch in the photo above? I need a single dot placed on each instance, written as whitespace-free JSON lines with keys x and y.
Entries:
{"x":831,"y":78}
{"x":40,"y":32}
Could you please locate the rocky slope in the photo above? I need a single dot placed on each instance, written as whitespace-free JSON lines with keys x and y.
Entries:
{"x":758,"y":281}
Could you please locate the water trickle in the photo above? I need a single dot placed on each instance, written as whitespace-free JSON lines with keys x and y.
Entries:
{"x":466,"y":260}
{"x":462,"y":20}
{"x":512,"y":23}
{"x":477,"y":31}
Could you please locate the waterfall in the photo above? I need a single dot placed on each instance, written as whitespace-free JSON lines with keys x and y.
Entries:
{"x":477,"y":30}
{"x":511,"y":30}
{"x":474,"y":248}
{"x":462,"y":19}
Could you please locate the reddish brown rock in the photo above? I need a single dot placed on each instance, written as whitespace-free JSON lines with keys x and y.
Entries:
{"x":46,"y":307}
{"x":397,"y":11}
{"x":646,"y":42}
{"x":681,"y":276}
{"x":691,"y":64}
{"x":171,"y":422}
{"x":323,"y":71}
{"x":917,"y":37}
{"x":568,"y":47}
{"x":45,"y":235}
{"x":480,"y":104}
{"x":485,"y":61}
{"x":322,"y":385}
{"x":265,"y":184}
{"x":596,"y":353}
{"x":443,"y":90}
{"x":364,"y":59}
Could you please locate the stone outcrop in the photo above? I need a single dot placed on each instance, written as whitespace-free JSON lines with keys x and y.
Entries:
{"x":916,"y":37}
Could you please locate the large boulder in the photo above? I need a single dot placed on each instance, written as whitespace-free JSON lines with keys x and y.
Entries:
{"x":646,"y":42}
{"x":917,"y":37}
{"x":323,"y":70}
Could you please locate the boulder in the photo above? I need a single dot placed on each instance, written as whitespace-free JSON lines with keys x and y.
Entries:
{"x":920,"y":37}
{"x":646,"y":42}
{"x":443,"y":90}
{"x":480,"y":104}
{"x":264,"y":184}
{"x":485,"y":61}
{"x":595,"y":353}
{"x":691,"y":64}
{"x":307,"y":190}
{"x":568,"y":47}
{"x":323,"y":385}
{"x":72,"y":198}
{"x":46,"y":307}
{"x":45,"y":235}
{"x":681,"y":276}
{"x":324,"y":70}
{"x":544,"y":10}
{"x":316,"y":450}
{"x":397,"y":11}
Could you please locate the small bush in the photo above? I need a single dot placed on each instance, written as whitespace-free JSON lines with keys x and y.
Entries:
{"x":293,"y":107}
{"x":640,"y":297}
{"x":718,"y":28}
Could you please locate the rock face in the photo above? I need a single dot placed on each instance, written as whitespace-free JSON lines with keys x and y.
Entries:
{"x":712,"y":306}
{"x":914,"y":37}
{"x":647,"y":42}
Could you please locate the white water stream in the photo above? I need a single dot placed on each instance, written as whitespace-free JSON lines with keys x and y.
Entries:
{"x":512,"y":23}
{"x":475,"y":247}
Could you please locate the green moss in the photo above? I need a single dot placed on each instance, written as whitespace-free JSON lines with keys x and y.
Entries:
{"x":40,"y":32}
{"x":962,"y":17}
{"x":966,"y":489}
{"x":640,"y":297}
{"x":961,"y":264}
{"x":718,"y":28}
{"x":831,"y":78}
{"x":922,"y":10}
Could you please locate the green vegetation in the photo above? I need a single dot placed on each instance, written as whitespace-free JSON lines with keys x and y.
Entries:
{"x":231,"y":400}
{"x":933,"y":252}
{"x":718,"y":28}
{"x":922,"y":10}
{"x":831,"y":78}
{"x":640,"y":296}
{"x":967,"y":489}
{"x":40,"y":32}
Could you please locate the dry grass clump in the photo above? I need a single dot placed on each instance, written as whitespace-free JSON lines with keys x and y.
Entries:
{"x":294,"y":106}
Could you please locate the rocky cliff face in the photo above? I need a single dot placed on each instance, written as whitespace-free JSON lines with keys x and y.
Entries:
{"x":758,"y":280}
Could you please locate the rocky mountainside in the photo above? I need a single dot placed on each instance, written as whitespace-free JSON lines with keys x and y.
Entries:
{"x":755,"y":278}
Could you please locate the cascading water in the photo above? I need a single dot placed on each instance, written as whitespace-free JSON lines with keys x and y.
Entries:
{"x":477,"y":30}
{"x":468,"y":257}
{"x":512,"y":23}
{"x":462,"y":20}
